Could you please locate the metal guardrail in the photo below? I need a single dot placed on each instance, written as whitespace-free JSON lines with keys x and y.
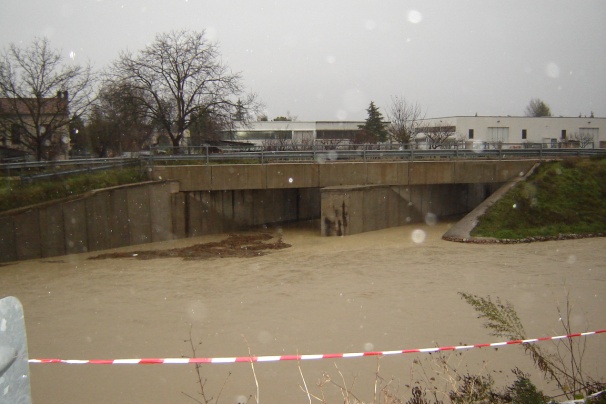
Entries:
{"x":29,"y":171}
{"x":209,"y":154}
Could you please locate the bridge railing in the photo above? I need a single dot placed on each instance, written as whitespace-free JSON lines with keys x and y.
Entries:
{"x":29,"y":171}
{"x":360,"y":152}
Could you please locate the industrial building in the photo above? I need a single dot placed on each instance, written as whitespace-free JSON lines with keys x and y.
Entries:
{"x":473,"y":131}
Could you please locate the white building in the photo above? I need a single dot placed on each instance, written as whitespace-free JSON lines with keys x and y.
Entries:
{"x":473,"y":130}
{"x":549,"y":131}
{"x":299,"y":132}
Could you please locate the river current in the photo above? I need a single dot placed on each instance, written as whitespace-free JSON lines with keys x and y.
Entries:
{"x":386,"y":290}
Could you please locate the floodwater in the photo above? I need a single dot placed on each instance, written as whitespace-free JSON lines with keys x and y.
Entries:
{"x":392,"y":289}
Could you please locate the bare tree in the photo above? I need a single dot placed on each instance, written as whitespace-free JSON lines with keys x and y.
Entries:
{"x":536,"y":108}
{"x":180,"y":76}
{"x":438,"y":135}
{"x":584,"y":139}
{"x":117,"y":122}
{"x":405,"y":120}
{"x":42,"y":96}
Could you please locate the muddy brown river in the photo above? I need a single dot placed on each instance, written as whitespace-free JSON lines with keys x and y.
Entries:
{"x":385,"y":290}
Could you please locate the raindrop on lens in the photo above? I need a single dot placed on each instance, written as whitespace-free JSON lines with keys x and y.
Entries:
{"x":415,"y":17}
{"x":431,"y":219}
{"x":552,"y":70}
{"x":418,"y":236}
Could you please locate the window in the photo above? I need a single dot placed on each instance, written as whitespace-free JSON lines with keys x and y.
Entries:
{"x":498,"y":135}
{"x":591,"y":133}
{"x":587,"y":136}
{"x":471,"y":133}
{"x":524,"y":134}
{"x":563,"y":136}
{"x":15,"y":134}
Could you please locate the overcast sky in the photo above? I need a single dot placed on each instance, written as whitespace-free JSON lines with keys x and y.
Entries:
{"x":327,"y":59}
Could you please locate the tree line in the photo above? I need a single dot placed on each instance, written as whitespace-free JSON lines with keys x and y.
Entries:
{"x":175,"y":91}
{"x":176,"y":86}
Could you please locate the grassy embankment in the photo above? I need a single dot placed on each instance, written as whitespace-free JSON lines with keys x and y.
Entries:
{"x":14,"y":194}
{"x":561,"y":197}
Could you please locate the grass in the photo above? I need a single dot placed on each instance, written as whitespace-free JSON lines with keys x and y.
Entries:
{"x":16,"y":195}
{"x":561,"y":197}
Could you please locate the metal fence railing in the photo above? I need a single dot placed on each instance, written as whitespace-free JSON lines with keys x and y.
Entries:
{"x":29,"y":171}
{"x":365,"y":152}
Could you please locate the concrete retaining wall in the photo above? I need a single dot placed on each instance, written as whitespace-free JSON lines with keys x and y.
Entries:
{"x":209,"y":212}
{"x":139,"y":214}
{"x":110,"y":218}
{"x":350,"y":210}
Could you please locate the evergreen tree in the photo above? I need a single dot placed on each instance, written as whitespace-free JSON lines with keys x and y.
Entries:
{"x":537,"y":107}
{"x":374,"y":125}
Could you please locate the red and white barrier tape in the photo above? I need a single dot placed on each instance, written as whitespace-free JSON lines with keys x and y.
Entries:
{"x":181,"y":361}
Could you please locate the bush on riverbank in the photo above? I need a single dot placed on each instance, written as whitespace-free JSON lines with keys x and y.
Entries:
{"x":561,"y":197}
{"x":15,"y":194}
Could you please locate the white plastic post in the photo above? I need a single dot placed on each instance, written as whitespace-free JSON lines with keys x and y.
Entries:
{"x":14,"y":366}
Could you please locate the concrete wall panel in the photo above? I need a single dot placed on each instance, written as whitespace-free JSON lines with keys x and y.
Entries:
{"x":372,"y":210}
{"x":290,"y":200}
{"x":8,"y":246}
{"x":228,"y":211}
{"x":243,"y":208}
{"x":430,"y":172}
{"x":283,"y":176}
{"x":336,"y":174}
{"x":191,"y":178}
{"x":239,"y":176}
{"x":52,"y":232}
{"x":403,"y":206}
{"x":27,"y":235}
{"x":178,"y":215}
{"x":75,"y":223}
{"x":383,"y":173}
{"x":118,"y":219}
{"x":212,"y":215}
{"x":137,"y":200}
{"x":194,"y":214}
{"x":467,"y":172}
{"x":98,"y":208}
{"x":160,"y":212}
{"x":261,"y":204}
{"x":308,"y":204}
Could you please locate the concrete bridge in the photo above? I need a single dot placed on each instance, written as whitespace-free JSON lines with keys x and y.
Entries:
{"x":349,"y":198}
{"x":188,"y":201}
